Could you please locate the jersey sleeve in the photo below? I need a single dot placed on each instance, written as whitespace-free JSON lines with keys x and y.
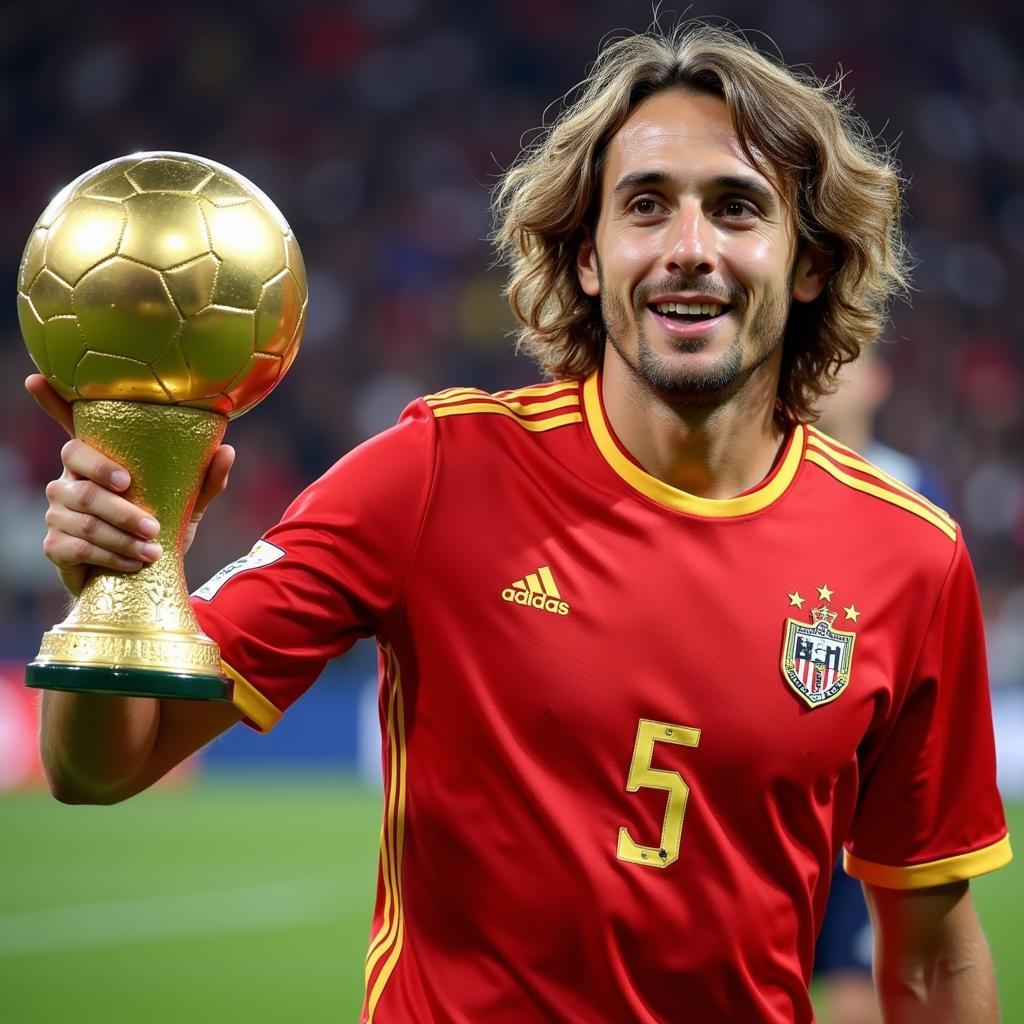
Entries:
{"x":331,"y":571}
{"x":929,"y":812}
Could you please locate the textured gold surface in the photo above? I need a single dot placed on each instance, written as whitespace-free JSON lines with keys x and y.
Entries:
{"x":78,"y":646}
{"x":163,"y":278}
{"x":143,"y":619}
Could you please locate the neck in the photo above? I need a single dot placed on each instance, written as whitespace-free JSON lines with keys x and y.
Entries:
{"x":713,"y":451}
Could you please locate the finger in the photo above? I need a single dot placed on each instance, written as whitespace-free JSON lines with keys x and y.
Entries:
{"x":69,"y":553}
{"x":88,"y":497}
{"x":83,"y":526}
{"x":85,"y":461}
{"x":50,"y":402}
{"x":74,"y":578}
{"x":216,"y":478}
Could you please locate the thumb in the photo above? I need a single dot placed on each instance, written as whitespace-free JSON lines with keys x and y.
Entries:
{"x":50,"y":402}
{"x":216,"y":479}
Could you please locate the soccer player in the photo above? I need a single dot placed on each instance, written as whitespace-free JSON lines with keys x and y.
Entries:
{"x":652,"y":648}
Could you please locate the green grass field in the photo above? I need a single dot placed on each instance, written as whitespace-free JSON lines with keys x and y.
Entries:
{"x":232,"y":902}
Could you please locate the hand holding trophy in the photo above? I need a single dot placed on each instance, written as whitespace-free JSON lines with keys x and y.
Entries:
{"x":161,"y":294}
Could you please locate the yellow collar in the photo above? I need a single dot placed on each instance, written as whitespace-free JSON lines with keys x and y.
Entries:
{"x":753,"y":501}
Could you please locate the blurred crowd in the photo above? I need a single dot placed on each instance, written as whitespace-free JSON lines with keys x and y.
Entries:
{"x":379,"y":127}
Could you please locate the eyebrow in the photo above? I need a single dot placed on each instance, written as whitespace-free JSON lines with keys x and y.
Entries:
{"x":726,"y":182}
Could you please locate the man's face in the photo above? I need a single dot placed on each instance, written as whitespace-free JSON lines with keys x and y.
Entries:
{"x":686,"y":220}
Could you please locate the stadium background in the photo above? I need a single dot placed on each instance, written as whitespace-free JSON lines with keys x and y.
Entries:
{"x":242,"y":891}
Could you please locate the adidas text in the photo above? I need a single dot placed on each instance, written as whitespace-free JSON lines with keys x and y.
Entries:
{"x":547,"y":604}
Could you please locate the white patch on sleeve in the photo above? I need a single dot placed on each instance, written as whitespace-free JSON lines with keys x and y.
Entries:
{"x":263,"y":553}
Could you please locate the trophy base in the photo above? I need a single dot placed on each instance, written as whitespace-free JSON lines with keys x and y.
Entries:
{"x":127,"y":682}
{"x":101,"y":658}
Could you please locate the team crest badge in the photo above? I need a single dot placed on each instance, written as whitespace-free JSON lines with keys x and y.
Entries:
{"x":816,"y":658}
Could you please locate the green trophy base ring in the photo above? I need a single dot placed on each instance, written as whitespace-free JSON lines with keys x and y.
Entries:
{"x":137,"y":682}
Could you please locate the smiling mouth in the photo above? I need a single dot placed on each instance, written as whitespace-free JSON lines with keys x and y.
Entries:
{"x":689,"y":313}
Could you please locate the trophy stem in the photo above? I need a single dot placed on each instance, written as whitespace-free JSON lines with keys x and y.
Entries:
{"x":135,"y":633}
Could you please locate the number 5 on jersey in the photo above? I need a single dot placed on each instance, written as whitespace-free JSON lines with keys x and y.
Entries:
{"x":641,"y":774}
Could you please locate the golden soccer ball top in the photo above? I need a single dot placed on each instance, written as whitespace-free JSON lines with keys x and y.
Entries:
{"x":166,"y":278}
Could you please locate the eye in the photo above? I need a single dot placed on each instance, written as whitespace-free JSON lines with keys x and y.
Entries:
{"x":738,"y":208}
{"x":644,"y":206}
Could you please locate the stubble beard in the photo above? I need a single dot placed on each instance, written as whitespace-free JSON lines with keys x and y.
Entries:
{"x":709,"y":385}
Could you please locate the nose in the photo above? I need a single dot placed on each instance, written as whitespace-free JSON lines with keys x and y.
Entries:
{"x":690,"y":245}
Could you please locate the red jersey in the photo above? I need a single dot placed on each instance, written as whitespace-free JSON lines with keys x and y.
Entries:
{"x":626,"y":729}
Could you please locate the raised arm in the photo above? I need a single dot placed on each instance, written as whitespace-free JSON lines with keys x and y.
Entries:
{"x":97,"y":748}
{"x":932,"y":964}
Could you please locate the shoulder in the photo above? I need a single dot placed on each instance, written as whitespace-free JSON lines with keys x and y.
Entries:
{"x":393,"y":466}
{"x":873,"y":492}
{"x":533,"y":410}
{"x":463,"y":421}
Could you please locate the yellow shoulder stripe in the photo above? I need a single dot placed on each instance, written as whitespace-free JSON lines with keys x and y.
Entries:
{"x":900,"y":500}
{"x":540,"y":390}
{"x":517,"y":405}
{"x":936,"y":872}
{"x":523,"y":408}
{"x":502,"y":410}
{"x":460,"y":396}
{"x":260,"y":711}
{"x":439,"y":396}
{"x":527,"y":409}
{"x":842,"y":454}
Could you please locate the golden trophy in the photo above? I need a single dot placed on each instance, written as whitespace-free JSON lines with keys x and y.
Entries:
{"x":162,"y":294}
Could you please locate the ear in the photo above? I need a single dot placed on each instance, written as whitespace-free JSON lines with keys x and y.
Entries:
{"x":811,"y":273}
{"x":587,"y":267}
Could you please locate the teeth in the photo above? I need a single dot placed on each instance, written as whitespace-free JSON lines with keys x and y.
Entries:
{"x":692,"y":309}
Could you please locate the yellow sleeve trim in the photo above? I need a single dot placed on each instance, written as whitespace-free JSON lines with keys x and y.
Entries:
{"x":936,"y":872}
{"x":260,"y":711}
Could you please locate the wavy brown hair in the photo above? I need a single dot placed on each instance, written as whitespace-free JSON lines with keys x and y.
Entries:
{"x":841,"y":185}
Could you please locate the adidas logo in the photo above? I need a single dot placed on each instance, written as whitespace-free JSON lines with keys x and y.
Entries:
{"x":537,"y":590}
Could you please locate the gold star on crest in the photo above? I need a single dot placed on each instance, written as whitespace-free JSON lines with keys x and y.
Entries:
{"x":795,"y":600}
{"x":824,"y":593}
{"x":852,"y":613}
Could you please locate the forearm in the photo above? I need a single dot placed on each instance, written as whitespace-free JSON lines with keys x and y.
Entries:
{"x":97,"y":748}
{"x":93,"y":745}
{"x":932,"y":963}
{"x":948,"y":992}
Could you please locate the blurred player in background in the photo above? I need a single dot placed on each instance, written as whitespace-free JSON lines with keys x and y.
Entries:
{"x":651,"y":647}
{"x":848,"y":415}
